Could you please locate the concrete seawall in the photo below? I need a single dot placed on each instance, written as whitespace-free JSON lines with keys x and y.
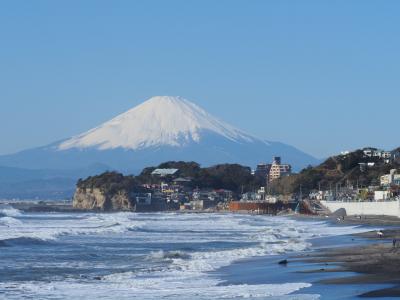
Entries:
{"x":388,"y":208}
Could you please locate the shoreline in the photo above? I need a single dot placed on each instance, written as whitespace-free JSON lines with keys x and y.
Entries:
{"x":375,"y":262}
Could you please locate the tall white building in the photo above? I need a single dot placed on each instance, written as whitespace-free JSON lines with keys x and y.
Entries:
{"x":278,"y":169}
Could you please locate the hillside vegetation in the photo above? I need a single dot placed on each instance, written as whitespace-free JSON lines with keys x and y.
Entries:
{"x":232,"y":177}
{"x":336,"y":171}
{"x":109,"y":182}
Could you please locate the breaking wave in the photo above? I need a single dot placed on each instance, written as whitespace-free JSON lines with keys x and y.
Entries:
{"x":12,"y":228}
{"x":9,"y":211}
{"x":21,"y":241}
{"x":168,"y":256}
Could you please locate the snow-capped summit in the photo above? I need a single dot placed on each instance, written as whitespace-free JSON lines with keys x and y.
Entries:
{"x":160,"y":121}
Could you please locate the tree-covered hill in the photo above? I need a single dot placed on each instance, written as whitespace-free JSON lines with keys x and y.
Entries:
{"x":349,"y":169}
{"x":232,"y":177}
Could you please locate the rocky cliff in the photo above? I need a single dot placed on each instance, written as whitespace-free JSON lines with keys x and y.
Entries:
{"x":97,"y":199}
{"x":106,"y":192}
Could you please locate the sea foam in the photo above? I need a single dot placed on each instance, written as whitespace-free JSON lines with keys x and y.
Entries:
{"x":177,"y":255}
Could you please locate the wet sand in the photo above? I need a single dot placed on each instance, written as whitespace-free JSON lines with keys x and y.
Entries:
{"x":371,"y":220}
{"x":376,"y":262}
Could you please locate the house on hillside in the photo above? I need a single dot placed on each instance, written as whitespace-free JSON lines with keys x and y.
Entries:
{"x":396,"y":154}
{"x":386,"y":156}
{"x":390,"y":179}
{"x":164,"y":172}
{"x":182,"y":181}
{"x":146,"y":202}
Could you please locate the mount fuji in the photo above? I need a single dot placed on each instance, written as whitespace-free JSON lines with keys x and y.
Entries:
{"x":158,"y":122}
{"x":161,"y":129}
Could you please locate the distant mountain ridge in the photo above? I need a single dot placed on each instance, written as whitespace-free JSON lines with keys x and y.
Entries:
{"x":163,"y":128}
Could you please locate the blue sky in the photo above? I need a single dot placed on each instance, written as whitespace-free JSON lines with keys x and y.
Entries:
{"x":320,"y":75}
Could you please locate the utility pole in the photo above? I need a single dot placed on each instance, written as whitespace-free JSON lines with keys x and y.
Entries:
{"x":301,"y":193}
{"x":336,"y":190}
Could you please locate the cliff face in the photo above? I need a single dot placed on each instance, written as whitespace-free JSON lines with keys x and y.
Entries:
{"x":97,"y":199}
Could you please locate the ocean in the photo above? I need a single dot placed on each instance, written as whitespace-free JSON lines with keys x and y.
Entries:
{"x":128,"y":255}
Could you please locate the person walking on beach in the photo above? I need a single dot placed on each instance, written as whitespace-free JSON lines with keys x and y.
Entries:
{"x":395,"y":245}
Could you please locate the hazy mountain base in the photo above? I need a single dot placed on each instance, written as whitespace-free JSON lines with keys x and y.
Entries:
{"x":210,"y":151}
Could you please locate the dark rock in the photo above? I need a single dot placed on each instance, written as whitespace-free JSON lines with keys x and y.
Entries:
{"x":283,"y":262}
{"x":341,"y":213}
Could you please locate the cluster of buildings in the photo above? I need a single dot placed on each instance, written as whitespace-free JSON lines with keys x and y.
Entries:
{"x":388,"y":188}
{"x":373,"y":200}
{"x":373,"y":155}
{"x":379,"y":153}
{"x":174,"y":192}
{"x":391,"y":179}
{"x":260,"y":201}
{"x":177,"y":194}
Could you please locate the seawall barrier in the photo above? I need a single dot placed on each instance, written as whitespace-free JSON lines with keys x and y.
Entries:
{"x":387,"y":208}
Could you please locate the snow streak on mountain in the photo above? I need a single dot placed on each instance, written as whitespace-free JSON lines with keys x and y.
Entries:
{"x":160,"y":121}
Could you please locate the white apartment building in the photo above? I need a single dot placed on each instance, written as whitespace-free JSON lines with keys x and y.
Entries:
{"x":279,"y":170}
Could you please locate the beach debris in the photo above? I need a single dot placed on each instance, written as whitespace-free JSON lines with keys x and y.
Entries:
{"x":340,"y":213}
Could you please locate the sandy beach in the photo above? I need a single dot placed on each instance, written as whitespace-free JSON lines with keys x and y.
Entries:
{"x":375,"y":262}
